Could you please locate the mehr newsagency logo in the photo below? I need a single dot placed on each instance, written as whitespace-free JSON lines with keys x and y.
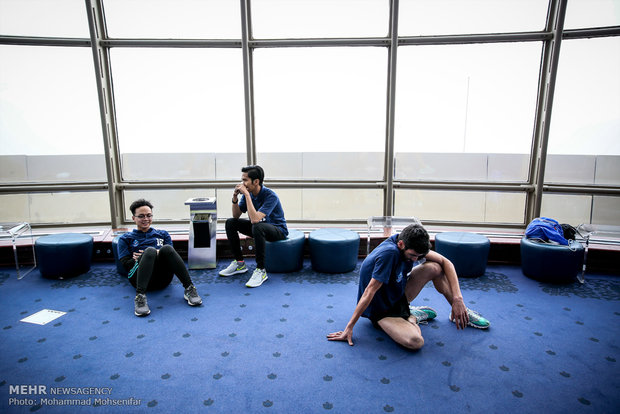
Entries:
{"x":39,"y":395}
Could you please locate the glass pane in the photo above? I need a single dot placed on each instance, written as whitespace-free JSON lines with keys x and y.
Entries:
{"x":583,"y":138}
{"x":586,"y":106}
{"x":169,"y":204}
{"x":568,"y":208}
{"x":316,"y":204}
{"x":326,"y":101}
{"x":273,"y":19}
{"x":578,"y":209}
{"x":592,"y":13}
{"x":58,"y":18}
{"x":56,"y":208}
{"x":327,"y":204}
{"x":322,"y":165}
{"x":187,"y":102}
{"x":437,"y":17}
{"x":606,"y":210}
{"x":49,"y":107}
{"x":173,"y":19}
{"x":478,"y":100}
{"x":461,"y":206}
{"x":52,"y":168}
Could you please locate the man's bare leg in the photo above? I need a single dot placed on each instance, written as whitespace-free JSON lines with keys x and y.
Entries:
{"x":404,"y":332}
{"x":419,"y":277}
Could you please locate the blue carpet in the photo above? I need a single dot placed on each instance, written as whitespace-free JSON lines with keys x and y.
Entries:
{"x":550,"y":348}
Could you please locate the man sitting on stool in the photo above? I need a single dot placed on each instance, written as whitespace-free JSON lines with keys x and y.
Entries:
{"x":266,"y":222}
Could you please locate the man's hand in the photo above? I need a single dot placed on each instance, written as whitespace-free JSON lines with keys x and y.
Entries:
{"x":136,"y":255}
{"x":240,"y":188}
{"x":346,"y":335}
{"x":459,"y":313}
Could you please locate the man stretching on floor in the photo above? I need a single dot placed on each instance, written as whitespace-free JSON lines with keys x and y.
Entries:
{"x":266,"y":222}
{"x":389,"y":282}
{"x":150,"y":259}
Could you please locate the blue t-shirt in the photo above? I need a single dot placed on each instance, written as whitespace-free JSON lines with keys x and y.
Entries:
{"x":386,"y":264}
{"x":137,"y":240}
{"x":268,"y":203}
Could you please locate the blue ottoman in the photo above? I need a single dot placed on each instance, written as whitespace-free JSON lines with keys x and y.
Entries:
{"x":285,"y":255}
{"x":119,"y":266}
{"x":64,"y":255}
{"x":334,"y":250}
{"x":468,"y":252}
{"x":551,"y":262}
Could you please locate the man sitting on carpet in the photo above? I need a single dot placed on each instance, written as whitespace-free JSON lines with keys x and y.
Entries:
{"x":392,"y":276}
{"x":266,"y":222}
{"x":150,"y":259}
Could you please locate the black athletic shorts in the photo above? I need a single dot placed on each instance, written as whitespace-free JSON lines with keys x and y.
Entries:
{"x":399,"y":309}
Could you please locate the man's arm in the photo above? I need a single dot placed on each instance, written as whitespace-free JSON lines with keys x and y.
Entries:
{"x":459,"y":311}
{"x":236,"y":210}
{"x":255,"y":216}
{"x":347,"y":334}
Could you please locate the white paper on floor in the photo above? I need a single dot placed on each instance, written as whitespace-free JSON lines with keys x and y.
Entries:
{"x":43,"y":316}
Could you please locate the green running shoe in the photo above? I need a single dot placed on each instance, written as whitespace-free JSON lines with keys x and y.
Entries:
{"x":423,"y":313}
{"x":475,"y":320}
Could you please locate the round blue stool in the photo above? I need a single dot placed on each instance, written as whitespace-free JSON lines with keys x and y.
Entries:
{"x":64,"y":255}
{"x":551,"y":262}
{"x":119,"y":266}
{"x":334,"y":250}
{"x":285,"y":255}
{"x":468,"y":252}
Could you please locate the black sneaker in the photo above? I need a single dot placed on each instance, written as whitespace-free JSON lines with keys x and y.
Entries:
{"x":141,"y":307}
{"x":191,"y":296}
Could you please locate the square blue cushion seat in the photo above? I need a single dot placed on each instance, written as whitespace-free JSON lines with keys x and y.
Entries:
{"x":469,"y":252}
{"x":553,"y":263}
{"x":334,"y":250}
{"x":64,"y":255}
{"x":285,"y":255}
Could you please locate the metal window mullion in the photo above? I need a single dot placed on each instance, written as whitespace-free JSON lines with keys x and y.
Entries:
{"x":101,"y":59}
{"x":546,"y":89}
{"x":388,"y":174}
{"x":248,"y":81}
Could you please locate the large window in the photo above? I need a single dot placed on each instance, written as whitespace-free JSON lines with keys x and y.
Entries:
{"x":307,"y":92}
{"x":56,"y":208}
{"x":176,"y":108}
{"x":592,"y":13}
{"x":49,"y":115}
{"x":173,"y":19}
{"x":59,"y":18}
{"x":586,"y":107}
{"x":584,"y":137}
{"x":320,"y":113}
{"x":282,"y":19}
{"x":465,"y":112}
{"x":440,"y":17}
{"x":461,"y":206}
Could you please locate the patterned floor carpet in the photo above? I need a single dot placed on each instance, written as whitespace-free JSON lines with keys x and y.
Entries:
{"x":550,"y":348}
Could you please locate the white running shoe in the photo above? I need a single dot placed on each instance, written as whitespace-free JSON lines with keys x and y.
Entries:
{"x":233,"y":268}
{"x":257,"y":279}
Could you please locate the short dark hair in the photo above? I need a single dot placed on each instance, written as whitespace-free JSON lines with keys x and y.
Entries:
{"x":416,"y":237}
{"x":139,"y":203}
{"x":255,"y":172}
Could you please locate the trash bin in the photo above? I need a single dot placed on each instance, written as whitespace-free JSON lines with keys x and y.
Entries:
{"x":202,"y":233}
